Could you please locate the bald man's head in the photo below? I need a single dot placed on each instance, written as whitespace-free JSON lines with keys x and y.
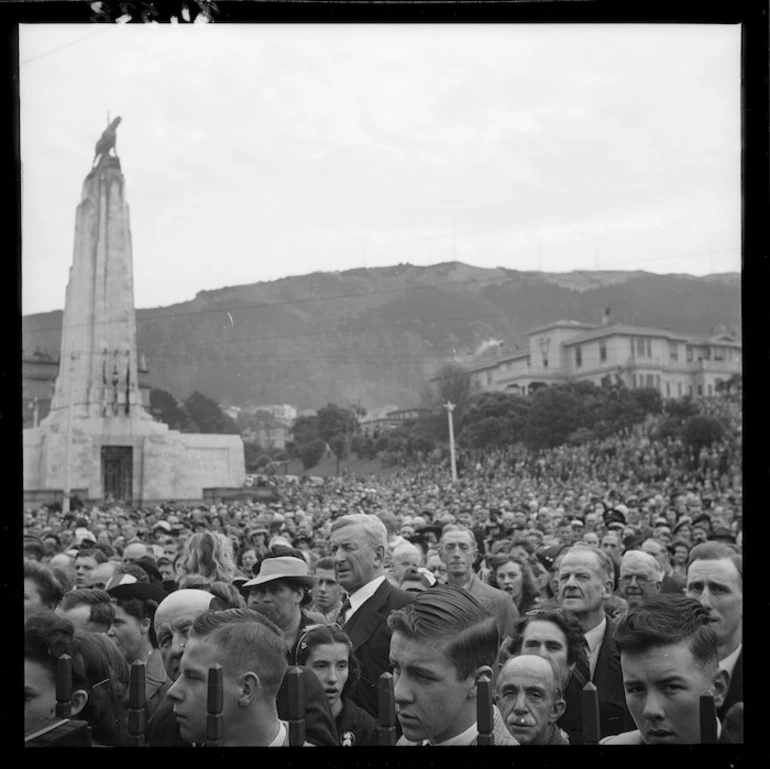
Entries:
{"x":529,"y":697}
{"x":173,"y":619}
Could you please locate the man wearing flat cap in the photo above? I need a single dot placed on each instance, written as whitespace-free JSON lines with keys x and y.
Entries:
{"x":279,"y":592}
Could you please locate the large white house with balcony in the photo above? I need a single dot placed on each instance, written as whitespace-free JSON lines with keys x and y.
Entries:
{"x":675,"y":364}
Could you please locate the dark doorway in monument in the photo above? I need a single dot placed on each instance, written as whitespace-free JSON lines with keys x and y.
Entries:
{"x":117,"y":473}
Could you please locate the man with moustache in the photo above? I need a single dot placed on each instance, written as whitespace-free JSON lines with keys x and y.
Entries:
{"x":529,"y":696}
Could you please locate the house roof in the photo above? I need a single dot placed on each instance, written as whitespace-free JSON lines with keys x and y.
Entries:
{"x":561,"y":324}
{"x":618,"y":329}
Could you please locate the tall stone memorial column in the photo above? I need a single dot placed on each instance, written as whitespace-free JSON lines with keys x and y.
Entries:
{"x":98,"y":440}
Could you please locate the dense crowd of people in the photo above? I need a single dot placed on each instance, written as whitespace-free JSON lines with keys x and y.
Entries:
{"x":616,"y":562}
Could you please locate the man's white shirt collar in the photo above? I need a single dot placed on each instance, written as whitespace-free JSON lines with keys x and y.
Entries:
{"x":280,"y":738}
{"x":464,"y":738}
{"x":362,"y":595}
{"x":594,"y":639}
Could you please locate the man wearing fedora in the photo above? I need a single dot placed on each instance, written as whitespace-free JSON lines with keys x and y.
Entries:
{"x":280,"y":592}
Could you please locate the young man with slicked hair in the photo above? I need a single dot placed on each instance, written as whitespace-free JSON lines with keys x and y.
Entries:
{"x":442,"y":643}
{"x":668,"y":653}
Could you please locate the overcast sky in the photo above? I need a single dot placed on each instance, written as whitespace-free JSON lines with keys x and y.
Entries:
{"x":253,"y":152}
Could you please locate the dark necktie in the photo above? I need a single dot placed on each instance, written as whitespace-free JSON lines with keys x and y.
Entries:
{"x":582,"y":671}
{"x":344,"y":609}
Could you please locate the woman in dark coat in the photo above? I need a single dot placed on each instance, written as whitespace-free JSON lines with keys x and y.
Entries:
{"x":327,"y":651}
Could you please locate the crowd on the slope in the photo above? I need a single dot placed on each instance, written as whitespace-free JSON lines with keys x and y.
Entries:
{"x":616,"y":562}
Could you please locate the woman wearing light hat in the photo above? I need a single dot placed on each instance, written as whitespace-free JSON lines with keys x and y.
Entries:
{"x":280,"y":592}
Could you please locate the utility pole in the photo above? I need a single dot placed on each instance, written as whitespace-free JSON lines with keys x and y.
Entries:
{"x":68,"y":448}
{"x":450,"y":407}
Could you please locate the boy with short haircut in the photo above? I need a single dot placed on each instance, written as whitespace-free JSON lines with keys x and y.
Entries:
{"x":668,"y":653}
{"x":252,"y":653}
{"x":441,"y":644}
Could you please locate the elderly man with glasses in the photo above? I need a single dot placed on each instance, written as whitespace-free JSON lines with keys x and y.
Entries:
{"x":640,"y":577}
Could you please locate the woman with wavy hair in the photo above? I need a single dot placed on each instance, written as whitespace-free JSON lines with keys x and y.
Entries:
{"x":209,"y":554}
{"x":512,"y":573}
{"x":328,"y":652}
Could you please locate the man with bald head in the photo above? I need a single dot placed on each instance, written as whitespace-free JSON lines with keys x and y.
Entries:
{"x":640,"y":577}
{"x":529,"y":697}
{"x":173,"y":619}
{"x":136,"y":550}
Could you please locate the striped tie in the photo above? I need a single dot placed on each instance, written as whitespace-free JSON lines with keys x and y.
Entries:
{"x":582,"y":671}
{"x":344,"y":609}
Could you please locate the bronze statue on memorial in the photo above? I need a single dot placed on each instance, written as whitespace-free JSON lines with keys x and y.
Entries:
{"x":107,"y":142}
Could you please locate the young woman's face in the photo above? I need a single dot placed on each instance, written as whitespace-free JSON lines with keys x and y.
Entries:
{"x":331,"y":663}
{"x":128,"y":633}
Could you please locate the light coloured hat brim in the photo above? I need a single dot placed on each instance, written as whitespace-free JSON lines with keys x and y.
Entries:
{"x":307,"y":582}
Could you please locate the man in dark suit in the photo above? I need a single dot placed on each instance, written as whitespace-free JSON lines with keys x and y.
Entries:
{"x":715,"y":579}
{"x":359,"y":543}
{"x":585,"y":582}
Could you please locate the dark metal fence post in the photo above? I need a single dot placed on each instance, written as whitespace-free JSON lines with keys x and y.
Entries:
{"x":214,"y":706}
{"x":137,"y":697}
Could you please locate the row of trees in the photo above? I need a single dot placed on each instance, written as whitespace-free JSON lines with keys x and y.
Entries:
{"x":196,"y":414}
{"x":574,"y":413}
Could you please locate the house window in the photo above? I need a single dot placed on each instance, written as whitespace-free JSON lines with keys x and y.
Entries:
{"x":650,"y":380}
{"x":668,"y":389}
{"x":719,"y":353}
{"x":578,"y":356}
{"x":631,"y":342}
{"x":657,"y":381}
{"x":690,"y":354}
{"x":710,"y":390}
{"x":673,"y":351}
{"x":640,"y":347}
{"x":689,"y":389}
{"x":700,"y":389}
{"x":649,"y":347}
{"x":602,"y":351}
{"x":679,"y":389}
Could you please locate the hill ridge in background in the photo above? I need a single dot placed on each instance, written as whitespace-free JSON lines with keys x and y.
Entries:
{"x":374,"y":335}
